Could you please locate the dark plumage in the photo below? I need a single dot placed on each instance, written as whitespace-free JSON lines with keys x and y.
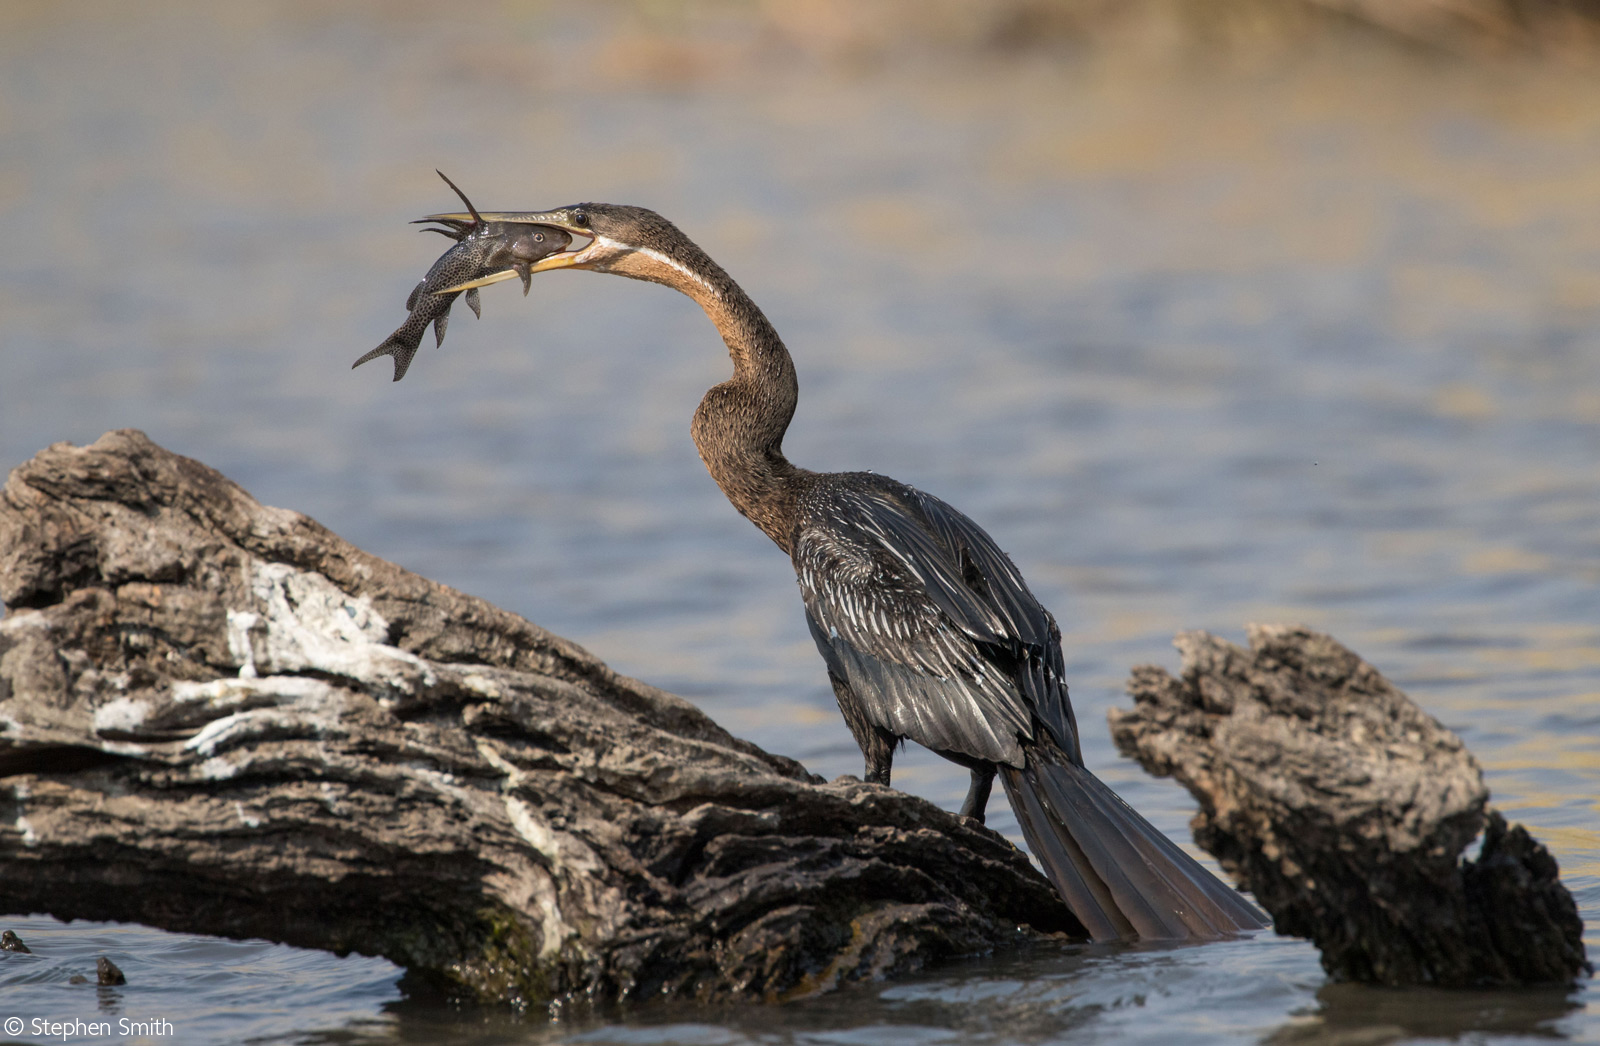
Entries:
{"x":926,"y":622}
{"x":930,"y":634}
{"x":929,"y":631}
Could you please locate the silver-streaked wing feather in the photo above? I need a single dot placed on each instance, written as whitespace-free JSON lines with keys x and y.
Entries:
{"x":914,"y":606}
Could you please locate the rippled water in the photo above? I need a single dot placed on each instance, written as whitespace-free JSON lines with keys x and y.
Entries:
{"x":1315,"y":341}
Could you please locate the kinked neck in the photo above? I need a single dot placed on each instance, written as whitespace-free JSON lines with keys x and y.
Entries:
{"x":739,"y":425}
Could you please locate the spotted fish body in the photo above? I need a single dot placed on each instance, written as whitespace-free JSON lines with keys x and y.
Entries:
{"x":485,"y":248}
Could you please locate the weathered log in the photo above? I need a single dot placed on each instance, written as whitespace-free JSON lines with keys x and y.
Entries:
{"x":219,"y":717}
{"x":1344,"y":808}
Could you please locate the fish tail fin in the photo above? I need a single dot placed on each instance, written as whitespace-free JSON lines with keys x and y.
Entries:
{"x":1118,"y":873}
{"x":396,"y":345}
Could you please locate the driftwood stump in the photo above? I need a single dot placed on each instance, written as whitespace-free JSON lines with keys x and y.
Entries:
{"x":221,"y":718}
{"x":1345,"y":809}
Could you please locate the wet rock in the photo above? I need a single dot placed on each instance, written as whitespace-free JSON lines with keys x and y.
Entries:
{"x":107,"y":973}
{"x":10,"y":942}
{"x":221,"y":718}
{"x":1344,"y":808}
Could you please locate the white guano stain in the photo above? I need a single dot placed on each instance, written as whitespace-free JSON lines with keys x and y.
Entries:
{"x":217,"y":769}
{"x":299,"y":705}
{"x":533,"y":830}
{"x":240,"y":625}
{"x":20,"y":793}
{"x":307,"y":623}
{"x":481,"y":684}
{"x":540,"y":886}
{"x":122,"y":715}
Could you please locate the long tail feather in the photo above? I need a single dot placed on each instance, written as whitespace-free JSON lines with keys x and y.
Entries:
{"x":1117,"y":872}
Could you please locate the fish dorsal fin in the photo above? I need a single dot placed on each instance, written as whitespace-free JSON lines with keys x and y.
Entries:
{"x":477,"y":219}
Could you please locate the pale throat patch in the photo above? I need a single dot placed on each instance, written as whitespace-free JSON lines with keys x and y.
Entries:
{"x":656,"y":255}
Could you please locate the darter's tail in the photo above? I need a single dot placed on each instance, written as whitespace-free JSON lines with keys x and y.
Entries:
{"x":1120,"y":876}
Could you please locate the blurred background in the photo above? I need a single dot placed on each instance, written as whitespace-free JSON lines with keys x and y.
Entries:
{"x":1210,"y":311}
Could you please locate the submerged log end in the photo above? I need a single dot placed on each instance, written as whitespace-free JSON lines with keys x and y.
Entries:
{"x":1345,"y":809}
{"x":1521,"y":911}
{"x":218,"y":717}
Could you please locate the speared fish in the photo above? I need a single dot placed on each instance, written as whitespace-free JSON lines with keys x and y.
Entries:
{"x":482,"y":249}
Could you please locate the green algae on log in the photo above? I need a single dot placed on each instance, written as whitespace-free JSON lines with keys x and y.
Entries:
{"x":218,"y":717}
{"x":1345,"y":808}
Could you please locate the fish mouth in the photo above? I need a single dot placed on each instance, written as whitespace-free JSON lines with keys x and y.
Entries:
{"x":568,"y":219}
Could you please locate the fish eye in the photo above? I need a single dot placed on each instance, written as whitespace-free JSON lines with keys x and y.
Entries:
{"x":538,"y":237}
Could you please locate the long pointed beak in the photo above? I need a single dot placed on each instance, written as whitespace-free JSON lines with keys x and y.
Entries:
{"x":561,"y":219}
{"x":564,"y":260}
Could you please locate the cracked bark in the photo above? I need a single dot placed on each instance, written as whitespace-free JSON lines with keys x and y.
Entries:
{"x":220,"y":717}
{"x":1344,"y":808}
